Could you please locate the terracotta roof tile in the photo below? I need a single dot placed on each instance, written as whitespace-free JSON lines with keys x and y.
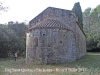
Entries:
{"x":51,"y":23}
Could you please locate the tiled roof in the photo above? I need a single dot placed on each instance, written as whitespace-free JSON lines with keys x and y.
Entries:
{"x":51,"y":23}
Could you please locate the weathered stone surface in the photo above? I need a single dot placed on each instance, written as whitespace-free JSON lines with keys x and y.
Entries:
{"x":54,"y":36}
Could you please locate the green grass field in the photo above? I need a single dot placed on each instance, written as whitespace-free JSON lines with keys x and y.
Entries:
{"x":88,"y":65}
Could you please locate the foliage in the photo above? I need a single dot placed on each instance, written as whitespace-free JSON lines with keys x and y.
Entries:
{"x":12,"y":39}
{"x":2,"y":8}
{"x":78,"y":12}
{"x":91,"y":21}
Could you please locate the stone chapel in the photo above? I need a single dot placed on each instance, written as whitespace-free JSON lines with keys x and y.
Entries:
{"x":55,"y":36}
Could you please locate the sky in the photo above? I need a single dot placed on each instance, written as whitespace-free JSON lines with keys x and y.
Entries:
{"x":25,"y":10}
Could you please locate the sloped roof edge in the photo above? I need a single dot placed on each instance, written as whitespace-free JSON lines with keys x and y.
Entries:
{"x":48,"y":9}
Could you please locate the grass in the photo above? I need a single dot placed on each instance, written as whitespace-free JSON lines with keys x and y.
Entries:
{"x":88,"y":65}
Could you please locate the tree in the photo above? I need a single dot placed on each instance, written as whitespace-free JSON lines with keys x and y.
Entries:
{"x":92,"y":28}
{"x":3,"y":8}
{"x":19,"y":30}
{"x":78,"y":12}
{"x":87,"y":20}
{"x":6,"y":38}
{"x":12,"y":39}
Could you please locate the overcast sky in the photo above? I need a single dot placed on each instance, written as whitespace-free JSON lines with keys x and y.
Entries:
{"x":21,"y":10}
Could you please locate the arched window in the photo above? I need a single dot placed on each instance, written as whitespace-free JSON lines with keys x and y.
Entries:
{"x":35,"y":42}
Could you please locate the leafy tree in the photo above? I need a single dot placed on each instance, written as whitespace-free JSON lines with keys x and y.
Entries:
{"x":92,"y":28}
{"x":86,"y":20}
{"x":2,"y":8}
{"x":19,"y":30}
{"x":78,"y":12}
{"x":6,"y":38}
{"x":12,"y":39}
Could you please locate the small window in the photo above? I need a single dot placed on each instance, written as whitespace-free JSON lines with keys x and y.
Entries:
{"x":61,"y":42}
{"x":63,"y":35}
{"x":43,"y":34}
{"x":48,"y":45}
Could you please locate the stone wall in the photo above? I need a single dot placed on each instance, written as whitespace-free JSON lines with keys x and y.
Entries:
{"x":54,"y":46}
{"x":80,"y":42}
